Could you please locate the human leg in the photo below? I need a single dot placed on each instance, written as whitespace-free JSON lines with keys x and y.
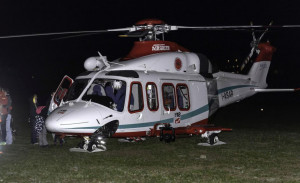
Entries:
{"x":34,"y":136}
{"x":3,"y":127}
{"x":43,"y":137}
{"x":9,"y":138}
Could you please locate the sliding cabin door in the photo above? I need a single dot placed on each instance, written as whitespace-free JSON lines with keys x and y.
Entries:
{"x":175,"y":102}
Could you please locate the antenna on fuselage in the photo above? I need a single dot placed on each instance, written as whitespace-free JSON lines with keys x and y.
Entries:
{"x":104,"y":59}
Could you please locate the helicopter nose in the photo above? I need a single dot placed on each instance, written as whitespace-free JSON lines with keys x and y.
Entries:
{"x":51,"y":125}
{"x":74,"y":119}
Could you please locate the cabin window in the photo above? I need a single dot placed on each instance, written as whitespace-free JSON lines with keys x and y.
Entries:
{"x":136,"y":103}
{"x":183,"y":98}
{"x":152,"y":98}
{"x":169,"y":96}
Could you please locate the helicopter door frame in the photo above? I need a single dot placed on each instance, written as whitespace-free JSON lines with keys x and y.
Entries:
{"x":60,"y":92}
{"x":178,"y":116}
{"x":133,"y":114}
{"x":169,"y":110}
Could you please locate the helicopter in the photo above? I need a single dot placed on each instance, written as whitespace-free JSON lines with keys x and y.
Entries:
{"x":160,"y":89}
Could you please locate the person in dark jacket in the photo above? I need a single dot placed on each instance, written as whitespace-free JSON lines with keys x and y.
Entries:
{"x":33,"y":106}
{"x":41,"y":115}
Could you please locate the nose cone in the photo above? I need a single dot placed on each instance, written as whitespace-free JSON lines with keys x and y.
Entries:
{"x":76,"y":118}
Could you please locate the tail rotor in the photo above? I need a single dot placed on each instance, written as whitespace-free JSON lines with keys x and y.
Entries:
{"x":254,"y":44}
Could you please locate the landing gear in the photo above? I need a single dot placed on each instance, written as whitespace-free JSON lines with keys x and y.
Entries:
{"x":213,"y":139}
{"x":97,"y":144}
{"x":97,"y":141}
{"x":167,"y":133}
{"x":90,"y":144}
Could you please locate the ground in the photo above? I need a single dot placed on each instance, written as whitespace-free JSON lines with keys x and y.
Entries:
{"x":264,"y":146}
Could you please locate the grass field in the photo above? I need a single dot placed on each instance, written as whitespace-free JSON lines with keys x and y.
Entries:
{"x":266,"y":150}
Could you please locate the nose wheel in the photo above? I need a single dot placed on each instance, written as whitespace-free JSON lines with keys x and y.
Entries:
{"x":96,"y":145}
{"x":97,"y":141}
{"x":91,"y":144}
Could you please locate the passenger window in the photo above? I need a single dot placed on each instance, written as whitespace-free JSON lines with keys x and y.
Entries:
{"x":136,"y":102}
{"x":169,"y":96}
{"x":183,"y":98}
{"x":152,"y":98}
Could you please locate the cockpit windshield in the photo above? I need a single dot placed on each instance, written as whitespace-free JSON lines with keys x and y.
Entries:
{"x":76,"y":89}
{"x":107,"y":92}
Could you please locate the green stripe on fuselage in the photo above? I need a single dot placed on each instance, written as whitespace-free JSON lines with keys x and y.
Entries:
{"x":233,"y":87}
{"x":169,"y":120}
{"x":151,"y":124}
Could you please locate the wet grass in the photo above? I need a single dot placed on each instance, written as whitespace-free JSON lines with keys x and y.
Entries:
{"x":248,"y":156}
{"x":266,"y":149}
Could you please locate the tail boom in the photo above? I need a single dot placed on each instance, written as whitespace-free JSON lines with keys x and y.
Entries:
{"x":236,"y":87}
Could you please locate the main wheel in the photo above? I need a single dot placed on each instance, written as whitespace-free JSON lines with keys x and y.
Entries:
{"x":91,"y":146}
{"x":213,"y":138}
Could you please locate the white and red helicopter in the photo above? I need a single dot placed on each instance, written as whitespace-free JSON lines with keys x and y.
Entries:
{"x":160,"y":89}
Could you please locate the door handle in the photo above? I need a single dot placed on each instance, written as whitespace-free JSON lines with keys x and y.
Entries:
{"x":140,"y":116}
{"x":167,"y":112}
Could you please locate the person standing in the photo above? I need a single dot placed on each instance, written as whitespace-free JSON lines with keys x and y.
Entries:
{"x":33,"y":106}
{"x":9,"y":137}
{"x":41,"y":114}
{"x":3,"y":113}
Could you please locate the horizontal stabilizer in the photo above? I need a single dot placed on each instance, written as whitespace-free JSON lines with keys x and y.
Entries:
{"x":277,"y":90}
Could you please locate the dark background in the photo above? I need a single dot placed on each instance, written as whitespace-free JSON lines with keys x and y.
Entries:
{"x":36,"y":65}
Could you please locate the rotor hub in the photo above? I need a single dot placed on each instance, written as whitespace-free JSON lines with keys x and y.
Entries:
{"x":149,"y":22}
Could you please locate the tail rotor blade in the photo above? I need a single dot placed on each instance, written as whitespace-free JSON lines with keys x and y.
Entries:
{"x":247,"y":59}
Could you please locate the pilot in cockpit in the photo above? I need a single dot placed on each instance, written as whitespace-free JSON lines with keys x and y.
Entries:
{"x":116,"y":91}
{"x":98,"y":90}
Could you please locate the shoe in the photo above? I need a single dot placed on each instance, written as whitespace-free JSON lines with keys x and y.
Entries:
{"x":2,"y":143}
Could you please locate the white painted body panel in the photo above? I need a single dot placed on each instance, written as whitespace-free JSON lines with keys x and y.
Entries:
{"x":85,"y":117}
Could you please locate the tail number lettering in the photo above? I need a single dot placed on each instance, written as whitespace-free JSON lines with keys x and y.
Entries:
{"x":226,"y":95}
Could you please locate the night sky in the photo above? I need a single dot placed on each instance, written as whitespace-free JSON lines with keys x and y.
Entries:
{"x":29,"y":65}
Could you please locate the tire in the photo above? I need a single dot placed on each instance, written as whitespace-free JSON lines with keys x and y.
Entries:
{"x":213,"y":138}
{"x":91,"y":146}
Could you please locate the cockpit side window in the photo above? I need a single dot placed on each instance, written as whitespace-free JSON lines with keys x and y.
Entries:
{"x":152,"y":97}
{"x":76,"y":89}
{"x":136,"y":103}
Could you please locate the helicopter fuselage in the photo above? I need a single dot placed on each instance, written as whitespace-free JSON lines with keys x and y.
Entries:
{"x":134,"y":96}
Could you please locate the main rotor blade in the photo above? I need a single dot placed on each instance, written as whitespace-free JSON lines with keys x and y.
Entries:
{"x":64,"y":33}
{"x":235,"y":27}
{"x":136,"y":34}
